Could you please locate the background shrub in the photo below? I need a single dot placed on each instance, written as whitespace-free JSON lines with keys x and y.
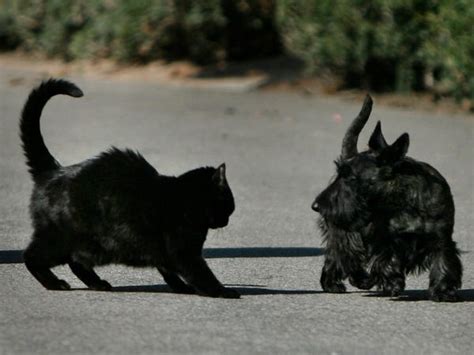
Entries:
{"x":384,"y":45}
{"x":141,"y":30}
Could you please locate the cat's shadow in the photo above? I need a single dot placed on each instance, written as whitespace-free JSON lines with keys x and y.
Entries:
{"x":466,"y":295}
{"x":244,"y":290}
{"x":16,"y":256}
{"x":11,"y":256}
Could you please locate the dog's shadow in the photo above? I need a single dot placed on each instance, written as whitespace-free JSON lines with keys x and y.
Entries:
{"x":466,"y":295}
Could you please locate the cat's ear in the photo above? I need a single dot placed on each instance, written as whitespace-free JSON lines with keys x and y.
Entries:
{"x":219,"y":175}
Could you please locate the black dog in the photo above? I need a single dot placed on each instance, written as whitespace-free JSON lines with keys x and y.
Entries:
{"x":387,"y":213}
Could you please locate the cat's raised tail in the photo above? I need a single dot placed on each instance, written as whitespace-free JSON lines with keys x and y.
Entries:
{"x":38,"y":157}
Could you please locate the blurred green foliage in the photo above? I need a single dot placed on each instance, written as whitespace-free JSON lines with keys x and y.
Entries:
{"x":139,"y":30}
{"x":126,"y":30}
{"x":383,"y":45}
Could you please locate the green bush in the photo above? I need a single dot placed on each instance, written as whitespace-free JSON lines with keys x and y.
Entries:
{"x":454,"y":53}
{"x":9,"y":32}
{"x":127,"y":30}
{"x":140,"y":30}
{"x":251,"y":31}
{"x":384,"y":44}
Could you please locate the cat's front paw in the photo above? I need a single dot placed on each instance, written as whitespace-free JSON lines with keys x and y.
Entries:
{"x":102,"y":285}
{"x":183,"y":289}
{"x":229,"y":293}
{"x":59,"y":285}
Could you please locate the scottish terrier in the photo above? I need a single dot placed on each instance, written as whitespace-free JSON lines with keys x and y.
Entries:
{"x":386,"y":215}
{"x":116,"y":208}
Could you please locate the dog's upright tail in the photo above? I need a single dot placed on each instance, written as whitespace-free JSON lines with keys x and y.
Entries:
{"x":38,"y":157}
{"x":349,"y":144}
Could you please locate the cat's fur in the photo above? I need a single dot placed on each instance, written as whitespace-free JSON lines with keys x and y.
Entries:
{"x":117,"y":209}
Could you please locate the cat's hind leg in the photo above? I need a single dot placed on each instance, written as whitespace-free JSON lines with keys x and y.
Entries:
{"x":173,"y":281}
{"x":40,"y":256}
{"x":89,"y":277}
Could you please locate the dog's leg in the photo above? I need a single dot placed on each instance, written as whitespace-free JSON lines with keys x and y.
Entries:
{"x":387,"y":272}
{"x":39,"y":257}
{"x":446,"y":274}
{"x":173,"y":281}
{"x":89,"y":277}
{"x":332,"y":274}
{"x":345,"y":257}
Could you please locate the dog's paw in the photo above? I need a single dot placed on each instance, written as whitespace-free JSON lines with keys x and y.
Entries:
{"x":444,"y":296}
{"x":365,"y":283}
{"x":396,"y":291}
{"x":102,"y":285}
{"x":331,"y":284}
{"x":335,"y":288}
{"x":390,"y":291}
{"x":59,"y":285}
{"x":392,"y":287}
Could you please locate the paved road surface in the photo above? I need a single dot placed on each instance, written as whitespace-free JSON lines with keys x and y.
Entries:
{"x":279,"y":150}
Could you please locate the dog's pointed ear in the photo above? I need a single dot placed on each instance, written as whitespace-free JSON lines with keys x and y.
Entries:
{"x":377,"y":141}
{"x":397,"y":150}
{"x":219,"y":175}
{"x":400,"y":146}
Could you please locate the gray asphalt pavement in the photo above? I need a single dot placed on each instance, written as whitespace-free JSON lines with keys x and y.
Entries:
{"x":279,"y":149}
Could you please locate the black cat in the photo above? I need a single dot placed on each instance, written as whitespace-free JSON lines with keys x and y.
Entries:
{"x":116,"y":208}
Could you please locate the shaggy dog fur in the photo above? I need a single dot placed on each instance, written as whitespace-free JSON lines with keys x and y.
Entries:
{"x":387,"y":214}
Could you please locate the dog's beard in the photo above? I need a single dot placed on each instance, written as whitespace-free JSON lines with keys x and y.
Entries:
{"x":342,"y":205}
{"x":348,"y":245}
{"x":348,"y":215}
